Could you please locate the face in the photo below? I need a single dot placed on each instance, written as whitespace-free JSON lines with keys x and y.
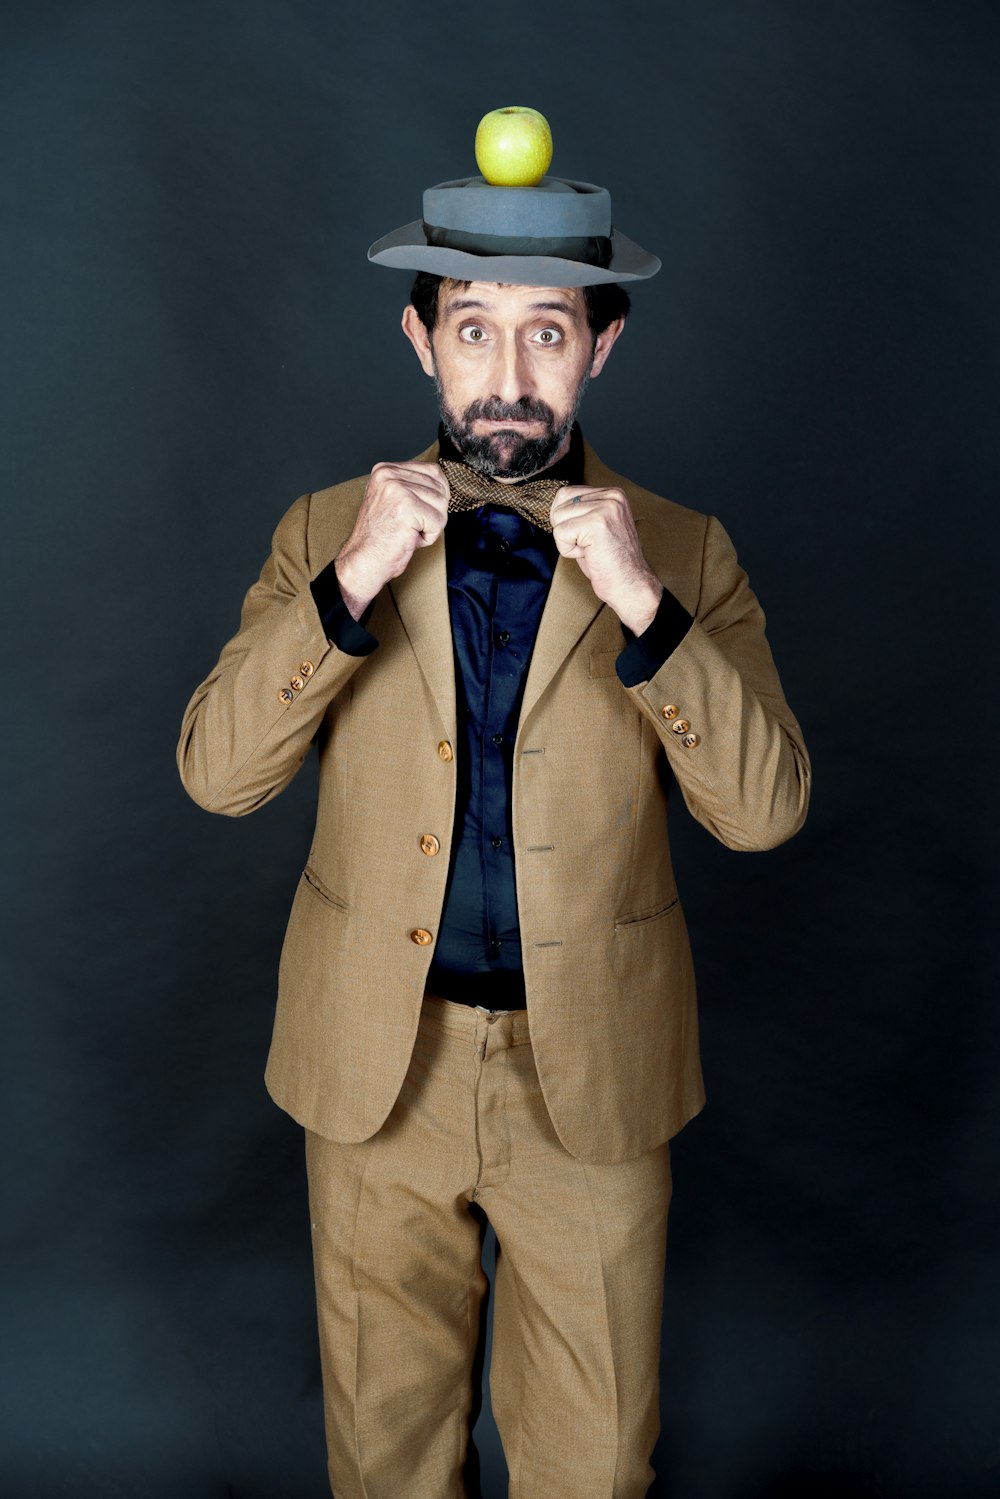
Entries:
{"x":511,"y":364}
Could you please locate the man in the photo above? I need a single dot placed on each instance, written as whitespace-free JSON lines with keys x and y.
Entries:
{"x":505,"y":653}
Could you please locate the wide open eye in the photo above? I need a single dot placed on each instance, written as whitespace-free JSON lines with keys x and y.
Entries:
{"x":549,"y":336}
{"x":472,"y":333}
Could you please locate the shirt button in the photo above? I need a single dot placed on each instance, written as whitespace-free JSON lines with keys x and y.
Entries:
{"x":496,"y":842}
{"x":445,"y":751}
{"x":504,"y":544}
{"x":503,"y":637}
{"x":421,"y":936}
{"x":498,"y":740}
{"x":495,"y":944}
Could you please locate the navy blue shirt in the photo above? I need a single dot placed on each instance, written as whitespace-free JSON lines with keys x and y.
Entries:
{"x":499,"y":569}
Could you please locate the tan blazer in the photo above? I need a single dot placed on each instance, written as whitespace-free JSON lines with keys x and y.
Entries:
{"x":607,"y":964}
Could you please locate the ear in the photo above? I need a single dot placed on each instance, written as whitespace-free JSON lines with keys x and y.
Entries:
{"x":603,"y":346}
{"x":415,"y":331}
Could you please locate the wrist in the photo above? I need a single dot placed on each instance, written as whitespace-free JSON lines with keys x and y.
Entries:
{"x":641,"y":608}
{"x":354,"y":589}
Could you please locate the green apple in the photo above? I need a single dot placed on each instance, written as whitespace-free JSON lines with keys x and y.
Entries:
{"x":513,"y":146}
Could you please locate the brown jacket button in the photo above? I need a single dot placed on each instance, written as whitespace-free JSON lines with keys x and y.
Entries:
{"x":297,"y":684}
{"x":670,"y":711}
{"x":690,"y":740}
{"x":306,"y":669}
{"x":445,"y":751}
{"x":421,"y":936}
{"x":429,"y":844}
{"x":285,"y":695}
{"x":681,"y":726}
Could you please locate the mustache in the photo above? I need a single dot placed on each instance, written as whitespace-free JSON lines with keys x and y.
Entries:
{"x":492,"y":409}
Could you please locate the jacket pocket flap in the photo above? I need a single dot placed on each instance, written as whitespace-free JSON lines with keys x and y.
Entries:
{"x":323,"y":890}
{"x":639,"y":918}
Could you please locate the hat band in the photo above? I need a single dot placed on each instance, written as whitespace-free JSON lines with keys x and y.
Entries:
{"x":594,"y":249}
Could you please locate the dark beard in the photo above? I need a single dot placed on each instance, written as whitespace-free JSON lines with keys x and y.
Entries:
{"x":507,"y":454}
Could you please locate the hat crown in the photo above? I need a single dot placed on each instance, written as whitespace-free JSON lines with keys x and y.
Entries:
{"x":555,"y":207}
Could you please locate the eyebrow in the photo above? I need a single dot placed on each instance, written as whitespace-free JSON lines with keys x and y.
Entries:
{"x":463,"y":303}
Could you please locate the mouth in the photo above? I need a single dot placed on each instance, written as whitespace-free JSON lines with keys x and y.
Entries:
{"x":506,"y":423}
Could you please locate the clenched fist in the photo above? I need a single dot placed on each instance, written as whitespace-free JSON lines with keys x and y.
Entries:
{"x":595,"y":527}
{"x":405,"y":507}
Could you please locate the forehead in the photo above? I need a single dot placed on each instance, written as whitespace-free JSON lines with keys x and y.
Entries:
{"x":504,"y":300}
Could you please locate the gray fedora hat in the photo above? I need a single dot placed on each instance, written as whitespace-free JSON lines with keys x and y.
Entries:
{"x":556,"y":234}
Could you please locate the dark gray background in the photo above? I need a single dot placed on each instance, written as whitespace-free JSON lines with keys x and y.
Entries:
{"x":192,"y":338}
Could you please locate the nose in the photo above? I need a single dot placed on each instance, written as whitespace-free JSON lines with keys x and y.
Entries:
{"x":512,"y":378}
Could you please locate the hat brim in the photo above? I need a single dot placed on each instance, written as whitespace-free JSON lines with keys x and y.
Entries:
{"x":406,"y":249}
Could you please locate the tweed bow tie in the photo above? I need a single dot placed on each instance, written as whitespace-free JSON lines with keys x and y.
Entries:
{"x":470,"y":489}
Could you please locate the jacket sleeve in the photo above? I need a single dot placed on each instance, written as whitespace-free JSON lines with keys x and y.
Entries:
{"x":733,"y":744}
{"x":248,"y":727}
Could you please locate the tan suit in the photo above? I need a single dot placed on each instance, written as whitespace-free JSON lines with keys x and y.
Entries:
{"x":552,"y":1121}
{"x":597,"y":900}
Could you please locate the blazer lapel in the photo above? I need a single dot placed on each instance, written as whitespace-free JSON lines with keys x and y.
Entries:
{"x":570,"y":606}
{"x":421,"y":598}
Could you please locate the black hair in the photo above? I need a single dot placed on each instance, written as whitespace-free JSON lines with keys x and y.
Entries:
{"x":605,"y":302}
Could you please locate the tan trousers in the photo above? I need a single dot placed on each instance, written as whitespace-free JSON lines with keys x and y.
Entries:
{"x":574,"y":1379}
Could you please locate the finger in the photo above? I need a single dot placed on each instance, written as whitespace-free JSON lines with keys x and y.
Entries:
{"x":568,"y":502}
{"x":577,"y":527}
{"x":398,"y":501}
{"x":394,"y":484}
{"x":435,"y":504}
{"x":571,"y":494}
{"x":567,"y":542}
{"x":428,"y":519}
{"x":579,"y":495}
{"x":427,"y":477}
{"x":426,"y":473}
{"x":580,"y":491}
